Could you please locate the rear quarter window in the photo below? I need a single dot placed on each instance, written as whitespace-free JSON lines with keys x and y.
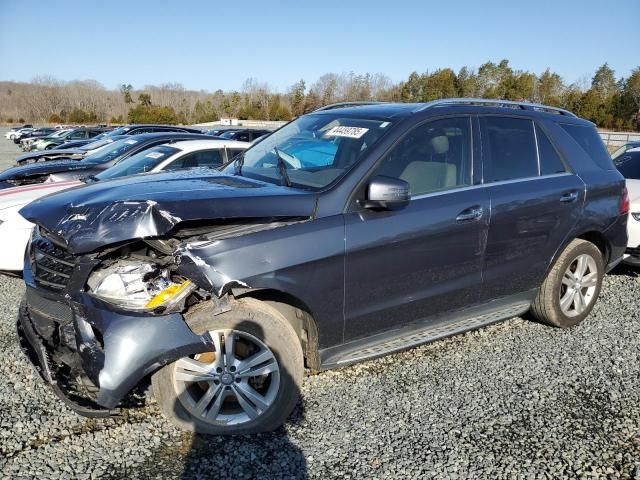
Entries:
{"x":591,"y":143}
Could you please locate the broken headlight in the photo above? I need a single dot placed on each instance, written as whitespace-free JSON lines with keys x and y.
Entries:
{"x":139,"y":286}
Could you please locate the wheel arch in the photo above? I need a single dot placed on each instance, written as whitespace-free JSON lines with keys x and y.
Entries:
{"x":590,"y":235}
{"x":297,"y":313}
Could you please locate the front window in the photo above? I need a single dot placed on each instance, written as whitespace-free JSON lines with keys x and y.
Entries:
{"x":311,"y":152}
{"x":141,"y":162}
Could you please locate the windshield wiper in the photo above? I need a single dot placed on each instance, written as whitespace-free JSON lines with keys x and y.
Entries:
{"x":91,"y":178}
{"x":282,"y":167}
{"x":239,"y":162}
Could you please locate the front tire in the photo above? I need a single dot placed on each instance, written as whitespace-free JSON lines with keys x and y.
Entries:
{"x":569,"y":292}
{"x":249,"y":384}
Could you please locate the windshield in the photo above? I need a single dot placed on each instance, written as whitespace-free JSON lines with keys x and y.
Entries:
{"x":622,"y":150}
{"x":141,"y":162}
{"x":313,"y":151}
{"x":118,"y":131}
{"x":111,"y":151}
{"x":629,"y":164}
{"x":60,"y":133}
{"x":227,"y":134}
{"x":96,"y":144}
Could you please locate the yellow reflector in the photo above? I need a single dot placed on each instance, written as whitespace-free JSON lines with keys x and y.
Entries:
{"x":167,"y":294}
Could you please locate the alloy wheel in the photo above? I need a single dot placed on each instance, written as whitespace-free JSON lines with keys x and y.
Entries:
{"x":234,"y":384}
{"x":579,"y":284}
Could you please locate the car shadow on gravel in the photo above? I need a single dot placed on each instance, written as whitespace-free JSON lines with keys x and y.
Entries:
{"x":625,"y":270}
{"x":266,"y":455}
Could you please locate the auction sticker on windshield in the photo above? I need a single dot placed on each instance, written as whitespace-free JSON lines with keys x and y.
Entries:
{"x":350,"y":132}
{"x":154,"y":155}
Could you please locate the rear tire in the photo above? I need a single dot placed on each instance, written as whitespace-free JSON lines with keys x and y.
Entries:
{"x":232,"y":407}
{"x":569,"y":292}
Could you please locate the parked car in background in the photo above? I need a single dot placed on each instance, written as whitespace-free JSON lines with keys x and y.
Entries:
{"x":623,"y":149}
{"x":183,"y":155}
{"x":431,"y":219}
{"x":82,"y":133}
{"x":66,"y":151}
{"x":244,"y":135}
{"x":17,"y":134}
{"x":56,"y":170}
{"x":12,"y":131}
{"x":628,"y":163}
{"x":150,"y":128}
{"x":27,"y":140}
{"x":176,"y":156}
{"x":37,"y":132}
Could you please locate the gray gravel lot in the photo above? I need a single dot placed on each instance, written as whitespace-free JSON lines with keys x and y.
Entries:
{"x":8,"y":150}
{"x":515,"y":400}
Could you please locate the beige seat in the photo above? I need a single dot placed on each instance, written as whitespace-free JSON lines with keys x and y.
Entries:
{"x":429,"y":176}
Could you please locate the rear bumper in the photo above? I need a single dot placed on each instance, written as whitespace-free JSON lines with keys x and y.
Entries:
{"x":114,"y":350}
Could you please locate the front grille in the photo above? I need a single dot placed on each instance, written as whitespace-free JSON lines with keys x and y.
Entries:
{"x":52,"y":265}
{"x":52,"y":310}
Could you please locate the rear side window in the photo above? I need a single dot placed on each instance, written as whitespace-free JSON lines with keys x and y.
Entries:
{"x":550,"y":162}
{"x":590,"y":142}
{"x":509,"y":147}
{"x":205,"y":158}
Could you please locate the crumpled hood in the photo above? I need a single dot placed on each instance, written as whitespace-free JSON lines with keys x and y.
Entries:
{"x":44,"y":168}
{"x":151,"y":205}
{"x":47,"y":154}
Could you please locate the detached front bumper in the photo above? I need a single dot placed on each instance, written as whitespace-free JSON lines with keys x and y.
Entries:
{"x":115,"y":350}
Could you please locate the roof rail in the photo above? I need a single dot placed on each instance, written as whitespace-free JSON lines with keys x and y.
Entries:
{"x":497,"y":103}
{"x":346,"y":104}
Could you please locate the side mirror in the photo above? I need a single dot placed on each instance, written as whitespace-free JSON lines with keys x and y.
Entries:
{"x":387,"y":193}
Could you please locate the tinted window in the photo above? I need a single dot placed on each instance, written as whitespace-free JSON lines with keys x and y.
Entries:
{"x":629,"y":165}
{"x":434,"y":156}
{"x":80,"y":134}
{"x":550,"y":162}
{"x":590,"y":141}
{"x":141,"y":162}
{"x":509,"y":149}
{"x":205,"y":158}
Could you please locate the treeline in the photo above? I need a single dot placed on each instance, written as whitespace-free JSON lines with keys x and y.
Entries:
{"x":608,"y":101}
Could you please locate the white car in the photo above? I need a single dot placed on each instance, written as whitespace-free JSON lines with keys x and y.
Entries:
{"x":628,"y":163}
{"x":15,"y":230}
{"x":13,"y":134}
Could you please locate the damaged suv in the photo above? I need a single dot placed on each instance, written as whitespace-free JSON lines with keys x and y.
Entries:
{"x":347,"y":234}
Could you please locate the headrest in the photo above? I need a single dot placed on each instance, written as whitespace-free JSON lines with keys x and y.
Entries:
{"x":440,"y":144}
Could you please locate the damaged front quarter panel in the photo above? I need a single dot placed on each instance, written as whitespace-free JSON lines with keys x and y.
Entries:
{"x":205,"y":274}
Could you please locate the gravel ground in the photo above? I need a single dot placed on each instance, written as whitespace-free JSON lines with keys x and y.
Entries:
{"x":8,"y":150}
{"x":515,"y":400}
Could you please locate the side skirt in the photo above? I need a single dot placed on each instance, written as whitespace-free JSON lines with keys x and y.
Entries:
{"x":414,"y":335}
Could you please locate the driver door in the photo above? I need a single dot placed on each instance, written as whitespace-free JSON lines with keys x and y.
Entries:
{"x":414,"y":264}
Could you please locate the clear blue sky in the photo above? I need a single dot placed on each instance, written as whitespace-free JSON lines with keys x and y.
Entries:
{"x":218,"y":44}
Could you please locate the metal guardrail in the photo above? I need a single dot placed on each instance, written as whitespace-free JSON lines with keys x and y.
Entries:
{"x":617,"y":139}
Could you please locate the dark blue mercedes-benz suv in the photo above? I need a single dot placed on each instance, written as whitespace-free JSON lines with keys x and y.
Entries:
{"x":351,"y":232}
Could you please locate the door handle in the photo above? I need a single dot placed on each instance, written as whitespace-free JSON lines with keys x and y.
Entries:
{"x":569,"y":197}
{"x":469,"y":214}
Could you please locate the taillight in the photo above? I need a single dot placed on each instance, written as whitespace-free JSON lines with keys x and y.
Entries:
{"x":624,"y":202}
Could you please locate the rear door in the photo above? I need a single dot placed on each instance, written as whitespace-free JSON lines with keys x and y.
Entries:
{"x":535,"y":202}
{"x":411,"y":265}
